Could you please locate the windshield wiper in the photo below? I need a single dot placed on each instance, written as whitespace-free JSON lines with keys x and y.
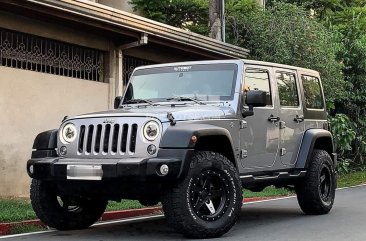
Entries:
{"x":185,"y":98}
{"x":138,"y":101}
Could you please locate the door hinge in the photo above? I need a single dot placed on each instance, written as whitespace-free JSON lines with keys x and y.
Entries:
{"x":243,"y":124}
{"x":243,"y":154}
{"x":283,"y":151}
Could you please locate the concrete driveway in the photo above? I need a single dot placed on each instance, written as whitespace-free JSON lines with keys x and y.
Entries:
{"x":270,"y":220}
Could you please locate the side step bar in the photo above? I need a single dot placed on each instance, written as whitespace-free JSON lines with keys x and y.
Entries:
{"x":278,"y":176}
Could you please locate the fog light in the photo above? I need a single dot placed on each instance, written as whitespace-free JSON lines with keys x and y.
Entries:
{"x":164,"y":169}
{"x":31,"y":169}
{"x":151,"y":149}
{"x":63,"y":150}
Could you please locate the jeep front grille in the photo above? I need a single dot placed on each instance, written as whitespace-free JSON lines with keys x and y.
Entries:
{"x":107,"y":139}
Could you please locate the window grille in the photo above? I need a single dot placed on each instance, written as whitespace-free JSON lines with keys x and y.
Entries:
{"x":129,"y":64}
{"x":29,"y":52}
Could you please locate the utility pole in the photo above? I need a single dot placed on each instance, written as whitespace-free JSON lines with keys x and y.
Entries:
{"x":262,"y":3}
{"x":217,"y":19}
{"x":222,"y":14}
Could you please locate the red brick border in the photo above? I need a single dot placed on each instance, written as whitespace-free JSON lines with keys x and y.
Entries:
{"x":130,"y":213}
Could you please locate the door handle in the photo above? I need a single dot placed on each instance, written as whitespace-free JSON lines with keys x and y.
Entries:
{"x":273,"y":119}
{"x":299,"y":118}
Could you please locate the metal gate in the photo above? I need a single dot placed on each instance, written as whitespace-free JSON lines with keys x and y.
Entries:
{"x":129,"y":64}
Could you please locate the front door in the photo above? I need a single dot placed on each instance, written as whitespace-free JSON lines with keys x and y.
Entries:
{"x":291,"y":124}
{"x":259,"y":136}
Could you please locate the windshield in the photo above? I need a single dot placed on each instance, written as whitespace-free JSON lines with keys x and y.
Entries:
{"x":211,"y":82}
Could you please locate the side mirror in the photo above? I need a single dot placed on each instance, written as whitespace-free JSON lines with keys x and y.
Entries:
{"x":254,"y":98}
{"x":117,"y":102}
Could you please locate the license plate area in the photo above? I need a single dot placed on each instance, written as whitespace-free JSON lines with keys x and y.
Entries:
{"x":84,"y":172}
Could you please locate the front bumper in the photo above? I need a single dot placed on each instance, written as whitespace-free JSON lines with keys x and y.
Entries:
{"x":139,"y":169}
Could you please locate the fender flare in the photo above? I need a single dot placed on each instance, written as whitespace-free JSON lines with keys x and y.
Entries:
{"x":307,"y":146}
{"x":45,"y":144}
{"x":180,"y":136}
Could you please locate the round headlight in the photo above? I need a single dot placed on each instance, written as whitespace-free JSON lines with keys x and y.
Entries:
{"x":151,"y":130}
{"x":68,"y":133}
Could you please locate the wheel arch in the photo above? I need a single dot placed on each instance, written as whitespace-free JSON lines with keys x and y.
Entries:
{"x":315,"y":139}
{"x":217,"y":143}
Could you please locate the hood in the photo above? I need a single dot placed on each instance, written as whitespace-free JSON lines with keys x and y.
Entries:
{"x":180,"y":113}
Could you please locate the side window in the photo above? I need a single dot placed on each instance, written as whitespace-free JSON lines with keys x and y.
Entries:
{"x":312,"y":92}
{"x":258,"y":79}
{"x":287,"y":89}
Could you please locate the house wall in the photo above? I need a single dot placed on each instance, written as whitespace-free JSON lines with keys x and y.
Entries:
{"x":33,"y":102}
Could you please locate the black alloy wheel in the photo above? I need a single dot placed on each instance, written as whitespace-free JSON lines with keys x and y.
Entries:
{"x":326,"y":184}
{"x":209,"y":195}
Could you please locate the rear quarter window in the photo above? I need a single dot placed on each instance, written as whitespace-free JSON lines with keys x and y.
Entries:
{"x":312,"y":92}
{"x":287,"y":89}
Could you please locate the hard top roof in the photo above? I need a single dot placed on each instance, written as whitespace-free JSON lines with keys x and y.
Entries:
{"x":236,"y":61}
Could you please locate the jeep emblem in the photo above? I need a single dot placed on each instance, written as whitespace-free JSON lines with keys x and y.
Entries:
{"x":108,"y":121}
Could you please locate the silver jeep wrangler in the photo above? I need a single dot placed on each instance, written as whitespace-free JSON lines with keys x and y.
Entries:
{"x":191,"y":135}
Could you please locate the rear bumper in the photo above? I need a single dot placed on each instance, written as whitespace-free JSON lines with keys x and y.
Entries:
{"x":139,"y":169}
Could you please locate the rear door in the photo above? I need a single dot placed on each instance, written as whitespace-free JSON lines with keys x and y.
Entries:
{"x":313,"y":100}
{"x":291,"y":124}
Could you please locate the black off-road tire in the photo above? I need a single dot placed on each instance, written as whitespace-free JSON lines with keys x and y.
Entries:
{"x":315,"y":195}
{"x":181,"y":201}
{"x":46,"y":205}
